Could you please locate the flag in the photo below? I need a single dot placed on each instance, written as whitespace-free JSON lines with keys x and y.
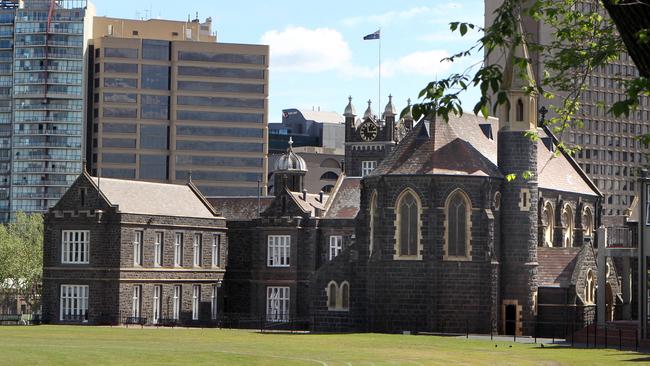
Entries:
{"x":374,"y":35}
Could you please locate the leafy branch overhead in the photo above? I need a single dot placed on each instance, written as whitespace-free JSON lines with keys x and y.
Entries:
{"x":583,"y":40}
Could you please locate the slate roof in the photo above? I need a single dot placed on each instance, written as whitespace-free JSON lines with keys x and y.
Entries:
{"x":345,"y":199}
{"x":160,"y":199}
{"x":240,"y":208}
{"x":460,"y":147}
{"x":556,"y":266}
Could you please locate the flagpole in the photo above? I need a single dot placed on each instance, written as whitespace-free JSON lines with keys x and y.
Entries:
{"x":379,"y":87}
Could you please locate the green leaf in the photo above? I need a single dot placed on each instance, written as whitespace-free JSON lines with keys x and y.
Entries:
{"x":510,"y":177}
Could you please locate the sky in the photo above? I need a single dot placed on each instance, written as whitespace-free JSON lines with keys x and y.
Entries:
{"x":318,"y":55}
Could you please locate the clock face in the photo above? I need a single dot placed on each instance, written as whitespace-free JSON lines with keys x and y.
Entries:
{"x":368,"y":131}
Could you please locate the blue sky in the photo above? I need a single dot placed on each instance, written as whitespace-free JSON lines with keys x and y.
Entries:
{"x":318,"y":56}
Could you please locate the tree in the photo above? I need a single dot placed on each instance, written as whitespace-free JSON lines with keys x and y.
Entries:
{"x":21,"y":257}
{"x":581,"y":42}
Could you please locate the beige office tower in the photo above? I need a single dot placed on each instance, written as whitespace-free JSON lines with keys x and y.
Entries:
{"x":610,"y":155}
{"x":169,"y":101}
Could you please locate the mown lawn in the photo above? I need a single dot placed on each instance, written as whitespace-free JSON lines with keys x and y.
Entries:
{"x":70,"y":345}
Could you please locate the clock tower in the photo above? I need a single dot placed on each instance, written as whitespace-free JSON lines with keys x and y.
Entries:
{"x":369,"y":139}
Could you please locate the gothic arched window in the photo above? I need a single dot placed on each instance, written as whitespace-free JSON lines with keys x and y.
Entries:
{"x":520,"y":111}
{"x":332,"y":294}
{"x":458,"y":226}
{"x":373,"y":221}
{"x":590,"y":288}
{"x":567,"y":218}
{"x":549,"y":217}
{"x":587,"y":222}
{"x":408,"y":224}
{"x":345,"y":295}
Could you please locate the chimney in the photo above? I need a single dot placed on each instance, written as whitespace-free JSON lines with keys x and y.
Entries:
{"x":304,"y":195}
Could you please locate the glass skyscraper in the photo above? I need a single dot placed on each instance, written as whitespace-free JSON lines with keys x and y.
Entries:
{"x":42,"y":53}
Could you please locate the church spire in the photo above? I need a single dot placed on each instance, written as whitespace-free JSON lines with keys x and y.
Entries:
{"x":520,"y":114}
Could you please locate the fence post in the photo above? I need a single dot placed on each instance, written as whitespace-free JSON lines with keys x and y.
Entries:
{"x":587,"y":335}
{"x":572,"y":333}
{"x":514,"y":334}
{"x":466,"y":329}
{"x":535,"y":331}
{"x":636,"y":340}
{"x":606,"y":340}
{"x":595,"y":335}
{"x":554,"y":333}
{"x":620,"y":347}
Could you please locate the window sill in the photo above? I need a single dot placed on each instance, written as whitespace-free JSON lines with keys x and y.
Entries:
{"x":457,"y":258}
{"x":267,"y":266}
{"x":407,"y":257}
{"x":339,"y":310}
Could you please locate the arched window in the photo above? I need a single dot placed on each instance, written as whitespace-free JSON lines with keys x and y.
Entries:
{"x":330,"y":163}
{"x":408,"y":224}
{"x":373,"y":221}
{"x":549,"y":218}
{"x":329,"y":176}
{"x":587,"y":222}
{"x":497,"y":201}
{"x":520,"y":111}
{"x":458,"y":226}
{"x":590,"y":288}
{"x":345,"y":295}
{"x":332,"y":294}
{"x":567,"y":218}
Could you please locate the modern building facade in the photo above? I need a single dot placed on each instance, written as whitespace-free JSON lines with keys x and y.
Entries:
{"x":119,"y":251}
{"x":168,"y":101}
{"x":610,"y":154}
{"x":307,"y":128}
{"x":42,"y":93}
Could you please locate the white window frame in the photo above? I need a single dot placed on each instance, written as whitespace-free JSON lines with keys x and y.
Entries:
{"x":157,"y":302}
{"x":137,"y":247}
{"x":196,"y":300}
{"x":176,"y":302}
{"x":367,"y":166}
{"x":178,"y":249}
{"x":277,"y":304}
{"x":135,"y":305}
{"x":158,"y":249}
{"x":73,"y":302}
{"x":216,"y":250}
{"x":214,"y":305}
{"x":196,"y":256}
{"x":336,"y":245}
{"x":278,"y":251}
{"x":75,"y":246}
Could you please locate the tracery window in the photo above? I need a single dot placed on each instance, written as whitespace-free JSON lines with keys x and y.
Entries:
{"x":408,"y":224}
{"x":458,"y":212}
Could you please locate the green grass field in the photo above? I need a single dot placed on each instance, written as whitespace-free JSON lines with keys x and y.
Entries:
{"x":69,"y":345}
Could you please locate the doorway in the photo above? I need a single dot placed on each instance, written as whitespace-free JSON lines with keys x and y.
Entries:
{"x":510,"y":319}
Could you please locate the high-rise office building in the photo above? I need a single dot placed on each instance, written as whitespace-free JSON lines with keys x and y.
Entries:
{"x":610,"y":155}
{"x":42,"y":53}
{"x":168,"y":100}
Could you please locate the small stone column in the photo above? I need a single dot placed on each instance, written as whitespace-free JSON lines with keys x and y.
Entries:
{"x":601,"y":264}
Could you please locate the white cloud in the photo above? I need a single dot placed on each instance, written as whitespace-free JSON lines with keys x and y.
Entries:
{"x":400,"y":15}
{"x":425,"y":63}
{"x":307,"y":50}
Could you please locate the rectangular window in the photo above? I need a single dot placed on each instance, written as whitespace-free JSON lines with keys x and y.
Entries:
{"x":277,"y":304}
{"x":279,"y":247}
{"x":178,"y":250}
{"x":176,"y":302}
{"x":157,"y":302}
{"x":367,"y":167}
{"x":197,"y":250}
{"x":196,"y":300}
{"x":137,"y":292}
{"x":75,"y":246}
{"x":213,"y":303}
{"x":336,"y":245}
{"x":158,"y":249}
{"x":216,"y":250}
{"x":74,"y":303}
{"x":137,"y":248}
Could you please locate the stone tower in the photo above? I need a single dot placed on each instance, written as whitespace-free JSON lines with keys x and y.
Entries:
{"x":368,"y":140}
{"x":517,"y":154}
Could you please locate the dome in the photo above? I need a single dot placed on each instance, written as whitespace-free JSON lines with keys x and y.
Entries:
{"x":349,"y":109}
{"x":290,"y":161}
{"x":390,"y":107}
